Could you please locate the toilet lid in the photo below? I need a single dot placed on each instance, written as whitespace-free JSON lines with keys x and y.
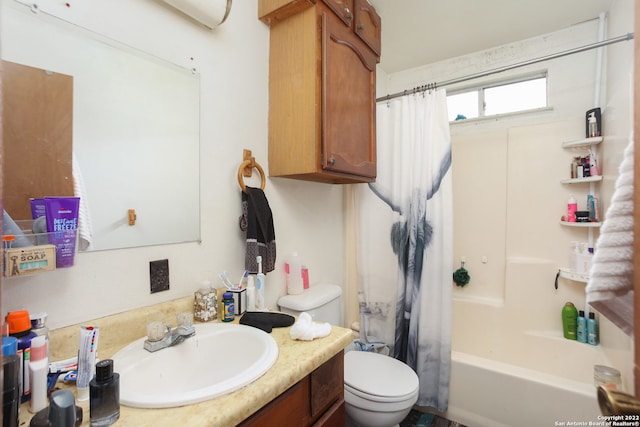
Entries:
{"x":378,"y":375}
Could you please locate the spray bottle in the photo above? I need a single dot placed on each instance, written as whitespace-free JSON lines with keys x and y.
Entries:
{"x":260,"y":285}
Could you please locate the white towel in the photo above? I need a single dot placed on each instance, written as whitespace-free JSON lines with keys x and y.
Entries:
{"x":610,"y":286}
{"x":85,"y":227}
{"x":305,"y":329}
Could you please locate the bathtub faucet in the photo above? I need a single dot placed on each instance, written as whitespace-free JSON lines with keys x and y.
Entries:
{"x":614,"y":402}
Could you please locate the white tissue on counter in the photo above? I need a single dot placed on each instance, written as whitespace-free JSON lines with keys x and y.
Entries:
{"x":306,"y":329}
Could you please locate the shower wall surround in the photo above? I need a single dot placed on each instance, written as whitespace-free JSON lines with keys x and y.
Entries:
{"x":515,"y":226}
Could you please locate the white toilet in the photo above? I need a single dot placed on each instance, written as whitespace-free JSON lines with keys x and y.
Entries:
{"x":379,"y":391}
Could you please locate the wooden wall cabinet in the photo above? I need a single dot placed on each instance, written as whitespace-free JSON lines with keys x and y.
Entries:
{"x":316,"y":400}
{"x":322,"y":98}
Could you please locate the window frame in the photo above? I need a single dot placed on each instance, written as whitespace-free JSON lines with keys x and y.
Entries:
{"x":480,"y":89}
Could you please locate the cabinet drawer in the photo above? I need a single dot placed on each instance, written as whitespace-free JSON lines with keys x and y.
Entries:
{"x":342,"y":8}
{"x":327,"y":384}
{"x":368,"y":25}
{"x":290,"y":409}
{"x":334,"y":417}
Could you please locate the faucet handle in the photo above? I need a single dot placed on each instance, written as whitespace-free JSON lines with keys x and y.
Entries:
{"x":156,"y":330}
{"x":185,"y":319}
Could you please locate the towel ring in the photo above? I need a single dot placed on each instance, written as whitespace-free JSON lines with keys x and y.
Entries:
{"x":247,"y":165}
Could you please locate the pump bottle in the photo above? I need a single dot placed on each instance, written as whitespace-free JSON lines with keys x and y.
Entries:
{"x":593,"y":126}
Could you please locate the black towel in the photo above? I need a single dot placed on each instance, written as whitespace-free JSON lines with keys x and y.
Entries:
{"x":266,"y":321}
{"x":257,"y":221}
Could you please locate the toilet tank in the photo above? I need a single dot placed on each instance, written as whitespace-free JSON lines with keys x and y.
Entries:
{"x":322,"y":301}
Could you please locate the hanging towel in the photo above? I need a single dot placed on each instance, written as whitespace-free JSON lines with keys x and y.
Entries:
{"x":257,"y":222}
{"x":610,"y":286}
{"x":85,"y":227}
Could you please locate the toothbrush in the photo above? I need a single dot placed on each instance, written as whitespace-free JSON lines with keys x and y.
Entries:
{"x":224,"y":276}
{"x":260,"y":285}
{"x":244,"y":275}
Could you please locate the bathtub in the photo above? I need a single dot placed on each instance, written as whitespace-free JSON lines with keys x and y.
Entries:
{"x":489,"y":393}
{"x":507,"y":374}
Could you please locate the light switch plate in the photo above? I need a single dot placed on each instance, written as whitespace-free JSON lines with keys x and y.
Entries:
{"x":159,"y":275}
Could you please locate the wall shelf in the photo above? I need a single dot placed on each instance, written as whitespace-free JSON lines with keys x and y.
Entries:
{"x":582,"y":180}
{"x":581,"y":224}
{"x":582,"y":143}
{"x":569,"y":274}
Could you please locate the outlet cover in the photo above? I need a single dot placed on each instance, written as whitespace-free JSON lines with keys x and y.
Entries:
{"x":159,"y":275}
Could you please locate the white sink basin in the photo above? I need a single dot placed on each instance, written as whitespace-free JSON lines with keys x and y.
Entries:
{"x":219,"y":359}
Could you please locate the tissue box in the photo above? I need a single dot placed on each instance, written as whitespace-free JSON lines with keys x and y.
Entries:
{"x":28,"y":260}
{"x":239,"y":301}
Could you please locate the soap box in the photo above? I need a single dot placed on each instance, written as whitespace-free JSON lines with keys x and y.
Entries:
{"x":30,"y":259}
{"x":239,"y":301}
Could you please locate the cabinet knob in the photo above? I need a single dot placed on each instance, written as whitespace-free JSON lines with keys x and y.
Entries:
{"x":348,"y":14}
{"x":360,"y":27}
{"x":332,"y":161}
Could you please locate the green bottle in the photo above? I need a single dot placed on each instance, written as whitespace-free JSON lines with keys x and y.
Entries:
{"x":570,"y":321}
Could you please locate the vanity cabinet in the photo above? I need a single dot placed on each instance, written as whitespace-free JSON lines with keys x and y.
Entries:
{"x":316,"y":400}
{"x":322,"y":77}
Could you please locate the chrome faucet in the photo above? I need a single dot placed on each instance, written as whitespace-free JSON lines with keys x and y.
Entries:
{"x":172,"y":336}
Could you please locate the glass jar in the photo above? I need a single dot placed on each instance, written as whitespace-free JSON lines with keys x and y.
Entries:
{"x":205,"y":307}
{"x":607,"y":377}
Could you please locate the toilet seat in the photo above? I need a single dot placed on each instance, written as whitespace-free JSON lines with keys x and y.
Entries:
{"x":378,"y":378}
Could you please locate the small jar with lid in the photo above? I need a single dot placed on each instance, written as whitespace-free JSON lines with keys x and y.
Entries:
{"x":228,"y":313}
{"x":607,"y":377}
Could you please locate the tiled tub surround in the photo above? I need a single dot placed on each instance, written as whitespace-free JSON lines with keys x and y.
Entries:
{"x":296,"y":359}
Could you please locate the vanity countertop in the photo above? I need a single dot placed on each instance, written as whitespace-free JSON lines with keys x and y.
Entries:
{"x":296,"y":359}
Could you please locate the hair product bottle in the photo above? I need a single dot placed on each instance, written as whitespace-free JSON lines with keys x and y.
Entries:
{"x":582,"y":327}
{"x":592,"y":330}
{"x":570,"y":321}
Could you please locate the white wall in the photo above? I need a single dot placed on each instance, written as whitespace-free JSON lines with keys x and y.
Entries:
{"x":233,"y":62}
{"x":508,"y":198}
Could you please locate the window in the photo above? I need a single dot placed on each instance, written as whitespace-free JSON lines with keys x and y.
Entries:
{"x":510,"y":96}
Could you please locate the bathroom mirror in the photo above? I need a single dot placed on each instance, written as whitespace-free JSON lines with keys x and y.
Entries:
{"x":135,"y":130}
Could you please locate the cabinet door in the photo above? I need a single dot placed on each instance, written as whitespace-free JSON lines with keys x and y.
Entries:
{"x":367,"y":25}
{"x":348,"y":101}
{"x":342,"y":8}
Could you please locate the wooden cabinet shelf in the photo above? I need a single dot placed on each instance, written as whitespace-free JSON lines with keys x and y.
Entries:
{"x":322,"y":78}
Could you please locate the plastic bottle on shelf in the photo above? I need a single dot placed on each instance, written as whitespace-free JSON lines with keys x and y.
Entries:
{"x":570,"y":321}
{"x":593,"y":332}
{"x":593,"y":125}
{"x":293,"y":270}
{"x":582,"y":327}
{"x":572,"y":207}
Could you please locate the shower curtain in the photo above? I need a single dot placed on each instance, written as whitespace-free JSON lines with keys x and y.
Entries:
{"x":405,"y":241}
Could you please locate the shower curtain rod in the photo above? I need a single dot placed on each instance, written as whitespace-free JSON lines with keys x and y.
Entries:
{"x":628,"y":36}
